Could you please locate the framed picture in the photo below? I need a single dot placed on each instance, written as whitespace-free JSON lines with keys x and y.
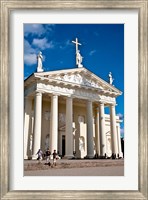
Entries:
{"x":133,"y":14}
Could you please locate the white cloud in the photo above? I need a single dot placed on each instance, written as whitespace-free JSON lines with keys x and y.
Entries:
{"x":30,"y":54}
{"x":68,"y":42}
{"x":65,"y":44}
{"x":38,"y":29}
{"x":31,"y":50}
{"x":28,"y":48}
{"x":42,"y":43}
{"x":34,"y":29}
{"x":30,"y":59}
{"x":121,"y":116}
{"x":122,"y":130}
{"x":92,"y":52}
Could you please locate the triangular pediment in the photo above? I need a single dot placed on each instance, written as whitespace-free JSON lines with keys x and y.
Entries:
{"x":78,"y":77}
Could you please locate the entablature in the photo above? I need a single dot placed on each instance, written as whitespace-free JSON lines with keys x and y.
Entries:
{"x":80,"y":93}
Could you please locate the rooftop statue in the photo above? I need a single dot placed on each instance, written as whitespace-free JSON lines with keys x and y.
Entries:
{"x":40,"y":59}
{"x":110,"y":78}
{"x":79,"y":59}
{"x":78,"y":55}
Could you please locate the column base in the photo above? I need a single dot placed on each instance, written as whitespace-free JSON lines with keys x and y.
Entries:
{"x":104,"y":156}
{"x":69,"y":156}
{"x":26,"y":157}
{"x":89,"y":156}
{"x":121,"y":155}
{"x":115,"y":156}
{"x":34,"y":157}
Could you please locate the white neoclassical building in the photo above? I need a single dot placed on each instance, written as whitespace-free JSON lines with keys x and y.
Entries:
{"x":65,"y":111}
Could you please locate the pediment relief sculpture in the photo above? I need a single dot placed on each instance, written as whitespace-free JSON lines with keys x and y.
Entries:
{"x":78,"y":79}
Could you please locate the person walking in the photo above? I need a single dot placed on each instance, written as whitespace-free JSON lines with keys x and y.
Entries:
{"x":40,"y":154}
{"x":48,"y":153}
{"x":54,"y":158}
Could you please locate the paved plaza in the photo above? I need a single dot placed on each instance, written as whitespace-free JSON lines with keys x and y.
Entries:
{"x":94,"y":167}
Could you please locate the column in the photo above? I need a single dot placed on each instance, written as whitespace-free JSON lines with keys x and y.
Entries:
{"x":28,"y":104}
{"x":90,"y":140}
{"x":69,"y":128}
{"x":54,"y":124}
{"x":113,"y":130}
{"x":102,"y":130}
{"x":37,"y":124}
{"x":119,"y":142}
{"x":98,"y":132}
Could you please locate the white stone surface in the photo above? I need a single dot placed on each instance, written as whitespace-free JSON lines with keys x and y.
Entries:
{"x":69,"y":127}
{"x":37,"y":123}
{"x":54,"y":124}
{"x":90,"y":142}
{"x":102,"y":129}
{"x":113,"y":129}
{"x":28,"y":105}
{"x":72,"y":117}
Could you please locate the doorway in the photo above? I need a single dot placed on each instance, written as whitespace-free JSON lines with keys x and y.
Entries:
{"x":63,"y":145}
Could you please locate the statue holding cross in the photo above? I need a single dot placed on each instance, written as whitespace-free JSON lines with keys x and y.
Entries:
{"x":78,"y":55}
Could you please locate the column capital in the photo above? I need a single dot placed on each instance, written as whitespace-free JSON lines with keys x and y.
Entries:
{"x":69,"y":97}
{"x":38,"y":93}
{"x":55,"y":94}
{"x":101,"y":102}
{"x":112,"y":104}
{"x":89,"y":101}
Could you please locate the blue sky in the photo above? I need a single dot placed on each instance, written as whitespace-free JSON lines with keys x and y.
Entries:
{"x":102,"y":50}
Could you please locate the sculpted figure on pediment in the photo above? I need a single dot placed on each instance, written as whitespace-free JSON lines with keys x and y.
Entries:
{"x":73,"y":78}
{"x":59,"y":77}
{"x":77,"y":78}
{"x":66,"y":77}
{"x":86,"y":82}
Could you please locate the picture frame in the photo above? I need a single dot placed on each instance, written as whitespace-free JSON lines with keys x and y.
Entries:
{"x":141,"y":6}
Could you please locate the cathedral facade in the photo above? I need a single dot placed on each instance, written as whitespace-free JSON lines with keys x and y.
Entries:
{"x":65,"y":111}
